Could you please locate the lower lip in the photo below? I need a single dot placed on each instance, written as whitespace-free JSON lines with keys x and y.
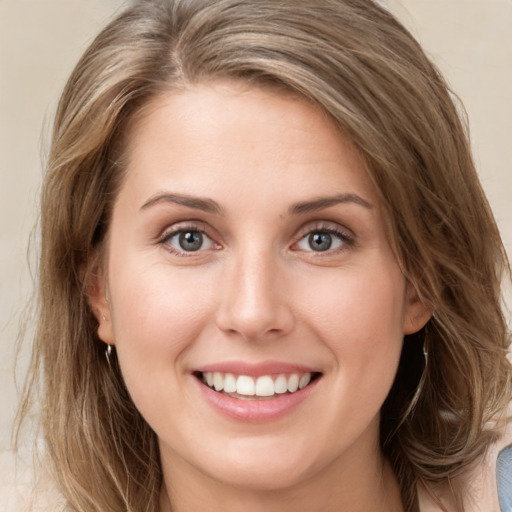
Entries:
{"x":255,"y":411}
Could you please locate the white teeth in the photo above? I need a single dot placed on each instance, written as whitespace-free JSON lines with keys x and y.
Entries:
{"x":281,"y":384}
{"x":245,"y":385}
{"x":218,"y":381}
{"x":229,"y":383}
{"x":263,"y":386}
{"x":293,"y":383}
{"x":304,"y":380}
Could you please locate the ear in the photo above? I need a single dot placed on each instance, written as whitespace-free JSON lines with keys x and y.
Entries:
{"x":417,"y":311}
{"x":97,"y":296}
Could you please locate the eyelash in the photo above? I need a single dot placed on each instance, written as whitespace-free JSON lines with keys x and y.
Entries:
{"x":345,"y":237}
{"x":168,"y":235}
{"x":347,"y":240}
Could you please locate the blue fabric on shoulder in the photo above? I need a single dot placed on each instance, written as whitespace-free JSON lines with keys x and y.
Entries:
{"x":504,"y":479}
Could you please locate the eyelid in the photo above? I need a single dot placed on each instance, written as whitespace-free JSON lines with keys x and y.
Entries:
{"x":345,"y":234}
{"x":169,"y":230}
{"x":190,"y":225}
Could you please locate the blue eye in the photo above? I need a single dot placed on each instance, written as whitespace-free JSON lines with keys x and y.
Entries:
{"x":322,"y":240}
{"x":189,"y":240}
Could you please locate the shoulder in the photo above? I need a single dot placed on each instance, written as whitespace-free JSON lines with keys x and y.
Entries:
{"x":489,"y":485}
{"x":15,"y":483}
{"x":21,"y":491}
{"x":504,"y":471}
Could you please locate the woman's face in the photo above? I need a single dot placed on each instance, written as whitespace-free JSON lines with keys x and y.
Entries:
{"x":247,"y":250}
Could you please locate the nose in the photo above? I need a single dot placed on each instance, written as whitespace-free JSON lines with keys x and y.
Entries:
{"x":254,"y":302}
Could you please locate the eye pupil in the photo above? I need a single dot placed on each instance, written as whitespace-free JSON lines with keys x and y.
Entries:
{"x":320,"y":241}
{"x":191,"y":240}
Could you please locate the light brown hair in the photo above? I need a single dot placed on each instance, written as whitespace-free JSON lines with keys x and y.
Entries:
{"x":354,"y":60}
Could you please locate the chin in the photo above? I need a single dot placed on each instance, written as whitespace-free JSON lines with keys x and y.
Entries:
{"x":262,"y":468}
{"x":260,"y":478}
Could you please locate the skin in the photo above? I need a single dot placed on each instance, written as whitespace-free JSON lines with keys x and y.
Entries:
{"x":255,"y":291}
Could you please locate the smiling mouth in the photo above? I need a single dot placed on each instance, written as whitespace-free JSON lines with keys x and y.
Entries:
{"x":264,"y":387}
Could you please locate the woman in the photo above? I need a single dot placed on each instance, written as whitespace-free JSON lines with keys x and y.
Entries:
{"x":269,"y":276}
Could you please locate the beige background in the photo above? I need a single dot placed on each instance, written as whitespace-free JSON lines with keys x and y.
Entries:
{"x":40,"y":40}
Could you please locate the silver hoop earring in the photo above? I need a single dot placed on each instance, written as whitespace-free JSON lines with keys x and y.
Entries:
{"x":108,"y":354}
{"x":419,"y":389}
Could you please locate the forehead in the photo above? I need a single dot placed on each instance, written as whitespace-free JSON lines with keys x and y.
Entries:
{"x":210,"y":110}
{"x":210,"y":138}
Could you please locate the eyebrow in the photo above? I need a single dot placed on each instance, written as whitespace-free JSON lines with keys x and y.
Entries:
{"x":197,"y":203}
{"x":210,"y":206}
{"x":325,"y":202}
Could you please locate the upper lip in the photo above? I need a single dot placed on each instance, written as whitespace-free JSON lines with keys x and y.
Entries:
{"x":255,"y":369}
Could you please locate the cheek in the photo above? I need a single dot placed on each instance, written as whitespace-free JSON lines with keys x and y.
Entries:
{"x":158,"y":313}
{"x":359,"y":317}
{"x":360,"y":309}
